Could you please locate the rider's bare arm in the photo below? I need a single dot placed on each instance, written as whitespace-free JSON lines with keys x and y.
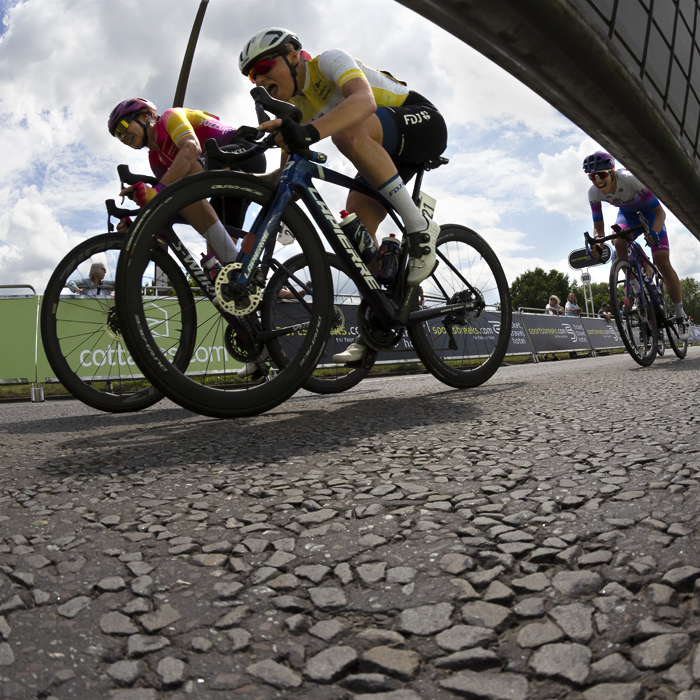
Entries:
{"x":185,"y":161}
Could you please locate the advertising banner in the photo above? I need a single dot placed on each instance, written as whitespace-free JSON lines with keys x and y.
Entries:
{"x":601,"y":334}
{"x":18,"y":338}
{"x":555,"y":333}
{"x":95,"y":351}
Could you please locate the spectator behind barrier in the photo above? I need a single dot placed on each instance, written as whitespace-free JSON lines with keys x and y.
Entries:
{"x":572,"y":308}
{"x":604,"y":313}
{"x":554,"y":307}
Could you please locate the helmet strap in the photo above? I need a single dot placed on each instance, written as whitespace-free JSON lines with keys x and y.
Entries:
{"x":293,"y":72}
{"x":144,"y":127}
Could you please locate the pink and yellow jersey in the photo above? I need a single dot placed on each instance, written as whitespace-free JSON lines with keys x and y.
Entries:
{"x":173,"y":124}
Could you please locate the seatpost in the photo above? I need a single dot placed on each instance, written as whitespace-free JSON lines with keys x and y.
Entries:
{"x":417,"y":184}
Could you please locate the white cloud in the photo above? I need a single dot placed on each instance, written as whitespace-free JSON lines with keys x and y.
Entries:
{"x":64,"y":64}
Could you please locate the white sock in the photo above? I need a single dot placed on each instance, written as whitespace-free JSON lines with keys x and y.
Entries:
{"x":217,"y":237}
{"x":635,"y":285}
{"x":395,"y":191}
{"x":679,"y":310}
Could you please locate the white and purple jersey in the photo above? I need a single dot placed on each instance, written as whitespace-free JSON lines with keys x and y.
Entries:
{"x":630,"y":196}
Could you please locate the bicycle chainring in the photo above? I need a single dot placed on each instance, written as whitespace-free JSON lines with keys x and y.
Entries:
{"x":237,"y":300}
{"x":373,"y":333}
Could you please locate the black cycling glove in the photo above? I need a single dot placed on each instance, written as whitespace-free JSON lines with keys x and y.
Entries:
{"x":297,"y":136}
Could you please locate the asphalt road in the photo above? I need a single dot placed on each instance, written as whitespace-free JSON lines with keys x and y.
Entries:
{"x":534,"y":538}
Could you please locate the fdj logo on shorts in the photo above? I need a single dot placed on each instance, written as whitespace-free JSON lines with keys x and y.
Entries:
{"x":416,"y":118}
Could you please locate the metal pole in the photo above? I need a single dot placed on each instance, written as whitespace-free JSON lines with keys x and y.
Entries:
{"x":179,"y":99}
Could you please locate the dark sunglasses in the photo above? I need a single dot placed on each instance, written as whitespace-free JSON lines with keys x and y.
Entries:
{"x":602,"y":174}
{"x":261,"y":68}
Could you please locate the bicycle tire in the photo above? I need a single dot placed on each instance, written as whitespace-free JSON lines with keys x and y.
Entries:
{"x":328,"y":377}
{"x":679,"y":347}
{"x":638,"y":327}
{"x":482,"y":339}
{"x":216,"y":390}
{"x":76,"y":328}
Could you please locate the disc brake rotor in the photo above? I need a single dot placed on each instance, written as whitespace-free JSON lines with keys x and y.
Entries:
{"x":234,"y":298}
{"x":110,"y":323}
{"x":237,"y":350}
{"x":462,"y":317}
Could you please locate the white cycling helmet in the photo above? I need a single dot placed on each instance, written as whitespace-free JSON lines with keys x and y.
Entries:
{"x":269,"y":42}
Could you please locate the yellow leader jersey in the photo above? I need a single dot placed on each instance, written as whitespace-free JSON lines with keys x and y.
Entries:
{"x":329,"y":71}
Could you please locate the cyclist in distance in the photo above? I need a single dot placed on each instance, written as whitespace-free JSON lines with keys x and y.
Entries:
{"x":385,"y":129}
{"x":175,"y":142}
{"x":623,"y":190}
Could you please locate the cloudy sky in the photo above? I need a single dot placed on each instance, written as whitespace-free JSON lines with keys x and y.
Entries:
{"x":515,"y":172}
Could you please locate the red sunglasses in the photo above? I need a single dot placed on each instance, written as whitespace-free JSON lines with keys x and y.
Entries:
{"x":602,"y":174}
{"x":261,"y":68}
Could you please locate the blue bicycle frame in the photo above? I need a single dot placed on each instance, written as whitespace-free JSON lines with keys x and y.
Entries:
{"x":297,"y":177}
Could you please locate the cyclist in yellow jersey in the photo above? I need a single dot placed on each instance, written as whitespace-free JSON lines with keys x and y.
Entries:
{"x":385,"y":129}
{"x":175,"y":142}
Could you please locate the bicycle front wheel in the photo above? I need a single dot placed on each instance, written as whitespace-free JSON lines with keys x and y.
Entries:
{"x":81,"y":333}
{"x":218,"y":382}
{"x":464,"y":349}
{"x":286,"y":302}
{"x":636,"y":320}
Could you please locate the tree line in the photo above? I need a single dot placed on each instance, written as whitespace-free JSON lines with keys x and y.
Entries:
{"x":534,"y":287}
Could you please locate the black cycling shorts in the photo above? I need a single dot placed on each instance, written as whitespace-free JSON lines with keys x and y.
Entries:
{"x":413,"y":133}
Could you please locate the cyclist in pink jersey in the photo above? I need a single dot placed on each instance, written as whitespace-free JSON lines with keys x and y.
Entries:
{"x":175,"y":141}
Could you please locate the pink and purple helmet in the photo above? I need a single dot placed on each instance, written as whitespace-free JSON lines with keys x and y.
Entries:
{"x":600,"y":160}
{"x":125,"y":111}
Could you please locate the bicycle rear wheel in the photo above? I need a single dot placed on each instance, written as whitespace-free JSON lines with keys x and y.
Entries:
{"x":468,"y":270}
{"x":81,"y":333}
{"x":680,"y":347}
{"x":286,"y":302}
{"x":212,"y":385}
{"x":635,"y":322}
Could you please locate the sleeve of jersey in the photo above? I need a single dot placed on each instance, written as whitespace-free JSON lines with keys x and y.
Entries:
{"x":339,"y":67}
{"x":177,"y":124}
{"x":596,"y":209}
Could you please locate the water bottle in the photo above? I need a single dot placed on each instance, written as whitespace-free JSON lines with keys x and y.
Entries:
{"x":354,"y":229}
{"x":210,"y":265}
{"x":388,"y":259}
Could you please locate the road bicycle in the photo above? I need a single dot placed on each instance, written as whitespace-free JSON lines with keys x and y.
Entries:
{"x":642,"y":309}
{"x":466,"y":294}
{"x":79,"y":326}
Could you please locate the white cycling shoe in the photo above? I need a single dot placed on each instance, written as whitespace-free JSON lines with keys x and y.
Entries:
{"x":422,"y":253}
{"x":683,"y":328}
{"x":353,"y":353}
{"x":251,"y":368}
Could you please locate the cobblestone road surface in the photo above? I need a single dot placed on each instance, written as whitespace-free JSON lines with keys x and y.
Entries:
{"x":528,"y":539}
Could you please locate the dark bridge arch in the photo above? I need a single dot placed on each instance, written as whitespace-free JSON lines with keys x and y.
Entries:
{"x":627,"y":72}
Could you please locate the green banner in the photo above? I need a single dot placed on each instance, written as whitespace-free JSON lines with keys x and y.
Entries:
{"x":90,"y":340}
{"x":18,"y":339}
